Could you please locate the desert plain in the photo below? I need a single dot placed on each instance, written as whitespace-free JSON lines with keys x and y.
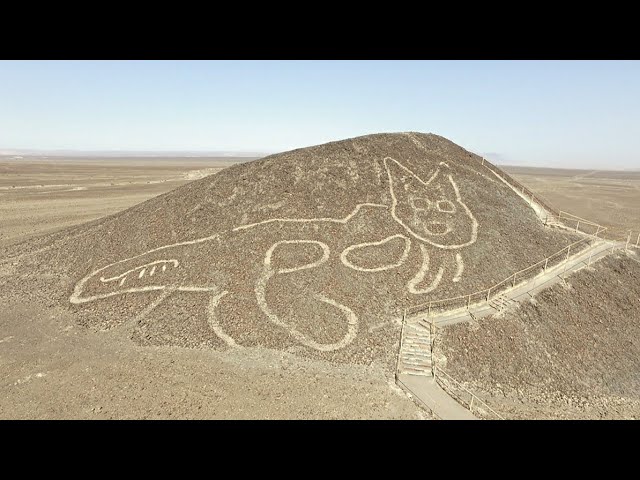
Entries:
{"x":50,"y":367}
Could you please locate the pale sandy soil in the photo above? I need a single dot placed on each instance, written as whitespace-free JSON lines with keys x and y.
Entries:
{"x":43,"y":195}
{"x":50,"y":368}
{"x":605,"y":197}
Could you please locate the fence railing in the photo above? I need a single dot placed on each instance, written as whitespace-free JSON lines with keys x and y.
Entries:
{"x":629,"y":238}
{"x":594,"y":231}
{"x":415,"y":396}
{"x":564,"y":218}
{"x":508,"y":283}
{"x":458,"y":391}
{"x":520,"y":187}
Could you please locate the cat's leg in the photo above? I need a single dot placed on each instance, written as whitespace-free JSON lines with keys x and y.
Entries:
{"x":438,"y":268}
{"x":310,"y":315}
{"x":428,"y":277}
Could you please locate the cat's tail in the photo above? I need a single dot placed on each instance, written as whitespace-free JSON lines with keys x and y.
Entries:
{"x":143,"y":273}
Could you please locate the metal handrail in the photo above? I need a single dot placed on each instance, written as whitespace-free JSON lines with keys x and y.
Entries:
{"x":473,"y":396}
{"x":601,"y":230}
{"x":487,"y":291}
{"x":605,"y":231}
{"x":509,"y":179}
{"x":583,"y":220}
{"x":416,"y":397}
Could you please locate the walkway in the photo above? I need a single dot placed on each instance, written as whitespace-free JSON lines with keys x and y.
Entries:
{"x":427,"y":390}
{"x":415,"y":363}
{"x":522,"y":291}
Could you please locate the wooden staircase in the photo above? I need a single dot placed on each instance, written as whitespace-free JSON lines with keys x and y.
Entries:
{"x":416,"y":350}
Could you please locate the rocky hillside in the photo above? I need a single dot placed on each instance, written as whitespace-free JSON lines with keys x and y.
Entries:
{"x":315,"y":251}
{"x":572,"y":352}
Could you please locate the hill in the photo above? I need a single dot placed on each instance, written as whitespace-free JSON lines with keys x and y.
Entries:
{"x":571,"y":352}
{"x":315,"y":251}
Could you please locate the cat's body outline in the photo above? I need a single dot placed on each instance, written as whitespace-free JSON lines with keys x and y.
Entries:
{"x":402,"y":216}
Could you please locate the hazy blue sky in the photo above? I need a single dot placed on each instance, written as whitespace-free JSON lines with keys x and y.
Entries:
{"x":556,"y":113}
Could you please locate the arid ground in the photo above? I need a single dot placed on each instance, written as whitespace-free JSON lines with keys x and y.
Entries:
{"x":51,"y":367}
{"x":43,"y":194}
{"x":606,"y":197}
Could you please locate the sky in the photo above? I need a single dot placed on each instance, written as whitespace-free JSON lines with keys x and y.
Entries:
{"x":573,"y":114}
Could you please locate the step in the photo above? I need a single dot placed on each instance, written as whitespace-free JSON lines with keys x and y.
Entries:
{"x":418,"y":370}
{"x":420,"y":374}
{"x":417,"y":330}
{"x":415,"y":354}
{"x":410,"y":364}
{"x":416,"y":343}
{"x":416,"y":362}
{"x":413,"y":335}
{"x":421,"y":351}
{"x":425,"y":358}
{"x":413,"y":343}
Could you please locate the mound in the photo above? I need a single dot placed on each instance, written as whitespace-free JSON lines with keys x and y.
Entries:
{"x":572,"y":352}
{"x":315,"y":251}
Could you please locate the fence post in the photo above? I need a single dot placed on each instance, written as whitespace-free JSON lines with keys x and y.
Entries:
{"x":514,"y":279}
{"x":568,"y":250}
{"x":531,"y":199}
{"x":638,"y":240}
{"x":590,"y":258}
{"x":488,"y":293}
{"x":482,"y":160}
{"x":577,"y":226}
{"x":471,"y":403}
{"x":545,"y":264}
{"x":599,"y":230}
{"x":400,"y":347}
{"x":468,"y":302}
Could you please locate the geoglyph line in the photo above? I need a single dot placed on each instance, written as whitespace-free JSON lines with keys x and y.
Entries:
{"x":405,"y":254}
{"x":325,"y":255}
{"x":212,"y":319}
{"x":308,"y":220}
{"x":419,"y":277}
{"x":352,"y":319}
{"x":268,"y":272}
{"x":394,"y":204}
{"x":458,"y":276}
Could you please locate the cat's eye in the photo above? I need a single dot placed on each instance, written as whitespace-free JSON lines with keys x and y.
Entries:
{"x":446,"y":206}
{"x":420,"y":203}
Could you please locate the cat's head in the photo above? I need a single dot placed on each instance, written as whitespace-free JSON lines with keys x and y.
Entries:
{"x":432,"y":211}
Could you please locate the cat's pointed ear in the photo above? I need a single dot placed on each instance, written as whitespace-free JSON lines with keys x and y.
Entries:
{"x":402,"y":180}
